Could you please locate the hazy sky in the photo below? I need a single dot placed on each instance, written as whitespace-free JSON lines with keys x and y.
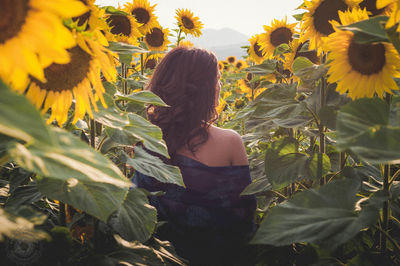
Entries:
{"x":246,"y":16}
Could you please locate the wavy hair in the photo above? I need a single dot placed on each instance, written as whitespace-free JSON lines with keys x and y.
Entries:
{"x":186,"y":80}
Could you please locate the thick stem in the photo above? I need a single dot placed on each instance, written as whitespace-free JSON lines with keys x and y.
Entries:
{"x":386,"y":210}
{"x":92,"y":133}
{"x":321,"y":128}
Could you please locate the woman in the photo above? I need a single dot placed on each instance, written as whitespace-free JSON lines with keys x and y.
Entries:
{"x":208,"y":222}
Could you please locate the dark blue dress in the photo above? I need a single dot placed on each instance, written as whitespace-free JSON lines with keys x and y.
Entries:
{"x":207,"y":222}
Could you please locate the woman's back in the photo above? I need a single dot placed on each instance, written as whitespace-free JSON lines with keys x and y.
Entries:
{"x":222,"y":148}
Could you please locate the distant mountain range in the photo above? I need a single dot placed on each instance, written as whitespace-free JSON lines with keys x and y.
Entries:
{"x":223,"y":42}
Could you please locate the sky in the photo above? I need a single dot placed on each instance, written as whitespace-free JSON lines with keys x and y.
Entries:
{"x":245,"y":16}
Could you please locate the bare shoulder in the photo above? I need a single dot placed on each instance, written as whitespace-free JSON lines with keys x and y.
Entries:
{"x":232,"y":143}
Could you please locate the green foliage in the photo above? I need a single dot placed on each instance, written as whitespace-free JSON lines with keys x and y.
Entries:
{"x":369,"y":128}
{"x":325,"y":216}
{"x":153,"y":166}
{"x":136,"y":218}
{"x":284,"y":164}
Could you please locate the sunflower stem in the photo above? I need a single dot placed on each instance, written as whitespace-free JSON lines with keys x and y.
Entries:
{"x":386,"y":210}
{"x":321,"y":130}
{"x":179,"y":37}
{"x":125,"y":91}
{"x":92,"y":133}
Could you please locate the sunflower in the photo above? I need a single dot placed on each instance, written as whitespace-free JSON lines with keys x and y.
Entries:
{"x":92,"y":21}
{"x":188,"y":23}
{"x":152,"y":60}
{"x":240,"y":64}
{"x":157,"y":39}
{"x":244,"y":86}
{"x":315,"y":24}
{"x":144,"y":14}
{"x":221,"y":106}
{"x":74,"y":81}
{"x":395,"y":14}
{"x":32,"y":36}
{"x":186,"y":43}
{"x":297,"y":48}
{"x":370,"y":5}
{"x":124,"y":28}
{"x":220,"y":66}
{"x":278,"y":33}
{"x":360,"y":69}
{"x":231,"y":59}
{"x":255,"y":51}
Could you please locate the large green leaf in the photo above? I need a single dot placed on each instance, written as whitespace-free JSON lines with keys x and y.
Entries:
{"x":326,"y":216}
{"x":368,"y":31}
{"x":71,"y":158}
{"x":284,"y":164}
{"x":136,"y":218}
{"x":265,"y":68}
{"x":278,"y":105}
{"x":153,"y":166}
{"x":20,"y":119}
{"x":142,"y":97}
{"x":369,"y":128}
{"x":124,"y":48}
{"x":97,"y":199}
{"x":133,"y":127}
{"x":17,"y":226}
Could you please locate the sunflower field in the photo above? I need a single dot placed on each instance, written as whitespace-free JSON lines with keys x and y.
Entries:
{"x":317,"y":103}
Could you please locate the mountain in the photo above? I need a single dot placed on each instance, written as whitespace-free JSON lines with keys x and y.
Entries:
{"x":223,"y":42}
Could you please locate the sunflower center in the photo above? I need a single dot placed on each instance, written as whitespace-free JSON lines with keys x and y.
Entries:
{"x":119,"y":25}
{"x":187,"y":23}
{"x":61,"y":77}
{"x":142,"y":15}
{"x":239,"y":64}
{"x":151,"y":63}
{"x":12,"y":18}
{"x":326,"y":11}
{"x":370,"y":5}
{"x":155,"y":38}
{"x":280,"y":35}
{"x":257,"y":50}
{"x":311,"y":55}
{"x":366,"y":59}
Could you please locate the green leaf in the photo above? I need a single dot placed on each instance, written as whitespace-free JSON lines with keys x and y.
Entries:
{"x":300,"y":63}
{"x":71,"y":158}
{"x":326,"y":217}
{"x":113,"y":10}
{"x":326,"y":165}
{"x":136,"y":219}
{"x":97,"y":199}
{"x":281,"y":49}
{"x":142,"y":97}
{"x":153,"y":166}
{"x":299,"y":17}
{"x":283,"y":164}
{"x":23,"y":195}
{"x":363,"y":127}
{"x":368,"y":31}
{"x":265,"y":68}
{"x":125,"y":58}
{"x":132,"y":126}
{"x":15,"y":226}
{"x":20,"y":119}
{"x":260,"y":185}
{"x":327,"y":115}
{"x":124,"y":48}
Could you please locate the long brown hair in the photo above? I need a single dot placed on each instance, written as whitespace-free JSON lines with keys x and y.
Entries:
{"x":185,"y":79}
